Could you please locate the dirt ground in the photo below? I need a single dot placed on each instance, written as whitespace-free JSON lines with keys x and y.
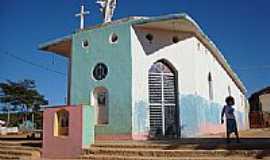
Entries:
{"x":251,"y":133}
{"x":259,"y":133}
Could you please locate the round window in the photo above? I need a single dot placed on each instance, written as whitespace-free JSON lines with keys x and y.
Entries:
{"x":85,"y":44}
{"x":100,"y":71}
{"x":149,"y":37}
{"x":113,"y":38}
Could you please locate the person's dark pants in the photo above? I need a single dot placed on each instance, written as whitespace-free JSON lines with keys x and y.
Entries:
{"x":232,"y":128}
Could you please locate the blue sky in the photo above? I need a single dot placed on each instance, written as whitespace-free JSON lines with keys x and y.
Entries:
{"x":240,"y":28}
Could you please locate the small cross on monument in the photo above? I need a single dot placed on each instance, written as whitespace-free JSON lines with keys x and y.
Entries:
{"x":81,"y":15}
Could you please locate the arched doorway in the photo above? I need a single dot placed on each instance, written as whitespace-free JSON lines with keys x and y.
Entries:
{"x":163,"y":100}
{"x":100,"y":99}
{"x":61,"y":123}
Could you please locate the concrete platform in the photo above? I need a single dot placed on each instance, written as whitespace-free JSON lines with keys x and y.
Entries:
{"x":254,"y":144}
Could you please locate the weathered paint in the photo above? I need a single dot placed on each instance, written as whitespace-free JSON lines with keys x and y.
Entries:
{"x":199,"y":116}
{"x":118,"y":81}
{"x":141,"y":121}
{"x":188,"y":60}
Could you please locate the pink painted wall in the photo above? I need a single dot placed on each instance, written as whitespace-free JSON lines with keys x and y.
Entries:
{"x":210,"y":128}
{"x":141,"y":136}
{"x":62,"y":147}
{"x":114,"y":137}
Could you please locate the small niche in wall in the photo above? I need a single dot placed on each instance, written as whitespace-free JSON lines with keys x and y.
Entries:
{"x":229,"y":90}
{"x":113,"y":39}
{"x":198,"y":46}
{"x":61,"y":123}
{"x":149,"y":37}
{"x":85,"y":44}
{"x":175,"y":39}
{"x":206,"y":51}
{"x":210,"y":86}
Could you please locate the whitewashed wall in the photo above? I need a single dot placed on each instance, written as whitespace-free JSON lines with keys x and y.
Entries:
{"x":192,"y":63}
{"x":205,"y":63}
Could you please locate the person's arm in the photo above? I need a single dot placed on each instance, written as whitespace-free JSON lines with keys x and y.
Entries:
{"x":222,"y":115}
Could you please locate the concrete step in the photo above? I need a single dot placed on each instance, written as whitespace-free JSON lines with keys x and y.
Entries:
{"x":170,"y":153}
{"x":111,"y":157}
{"x":16,"y":152}
{"x":12,"y":157}
{"x":20,"y":148}
{"x":192,"y":149}
{"x":23,"y":150}
{"x":131,"y":145}
{"x":23,"y":143}
{"x":10,"y":144}
{"x":9,"y":157}
{"x":207,"y":145}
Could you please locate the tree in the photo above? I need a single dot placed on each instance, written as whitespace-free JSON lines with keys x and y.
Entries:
{"x":23,"y":94}
{"x":8,"y":96}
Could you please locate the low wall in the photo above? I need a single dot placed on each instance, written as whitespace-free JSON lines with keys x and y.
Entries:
{"x":259,"y":119}
{"x":256,"y":120}
{"x":8,"y":130}
{"x":80,"y":132}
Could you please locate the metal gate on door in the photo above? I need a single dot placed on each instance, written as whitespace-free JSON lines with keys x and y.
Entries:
{"x":162,"y":98}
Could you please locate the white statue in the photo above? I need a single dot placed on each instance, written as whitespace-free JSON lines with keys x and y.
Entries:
{"x":107,"y":8}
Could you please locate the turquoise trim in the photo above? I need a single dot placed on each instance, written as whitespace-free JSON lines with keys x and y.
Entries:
{"x":88,"y":126}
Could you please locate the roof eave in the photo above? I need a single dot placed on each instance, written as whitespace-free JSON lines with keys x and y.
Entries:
{"x":200,"y":33}
{"x":60,"y":46}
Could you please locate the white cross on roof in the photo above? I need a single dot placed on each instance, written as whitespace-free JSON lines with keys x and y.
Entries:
{"x":81,"y":15}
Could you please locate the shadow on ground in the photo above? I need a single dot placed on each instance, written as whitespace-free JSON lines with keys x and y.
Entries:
{"x":21,"y":140}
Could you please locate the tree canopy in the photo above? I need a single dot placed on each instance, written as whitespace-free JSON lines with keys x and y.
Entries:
{"x":21,"y":93}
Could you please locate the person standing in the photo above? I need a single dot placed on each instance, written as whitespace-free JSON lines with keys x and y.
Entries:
{"x":231,"y":125}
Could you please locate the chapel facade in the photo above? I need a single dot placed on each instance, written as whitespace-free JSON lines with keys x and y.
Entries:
{"x":143,"y":78}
